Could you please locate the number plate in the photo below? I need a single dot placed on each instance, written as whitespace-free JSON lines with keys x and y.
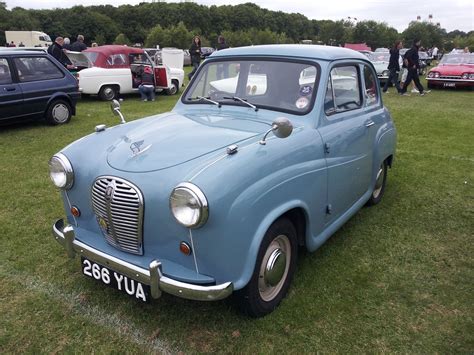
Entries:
{"x":116,"y":280}
{"x":449,"y":85}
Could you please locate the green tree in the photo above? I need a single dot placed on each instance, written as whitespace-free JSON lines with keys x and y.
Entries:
{"x":122,"y":39}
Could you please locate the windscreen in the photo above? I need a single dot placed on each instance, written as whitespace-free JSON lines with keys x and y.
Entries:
{"x":276,"y":85}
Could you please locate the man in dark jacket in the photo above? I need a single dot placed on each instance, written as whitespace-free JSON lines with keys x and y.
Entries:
{"x":411,"y":61}
{"x":79,"y":45}
{"x":394,"y":66}
{"x":56,"y":50}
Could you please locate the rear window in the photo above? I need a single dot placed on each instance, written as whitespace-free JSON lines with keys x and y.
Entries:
{"x":5,"y":76}
{"x":36,"y":69}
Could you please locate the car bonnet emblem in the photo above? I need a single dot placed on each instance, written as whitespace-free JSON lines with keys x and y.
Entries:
{"x":109,"y":191}
{"x":136,"y":148}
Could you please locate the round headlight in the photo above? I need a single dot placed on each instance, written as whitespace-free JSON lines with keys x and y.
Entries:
{"x":60,"y":171}
{"x":465,"y":76}
{"x":385,"y":73}
{"x":436,"y":75}
{"x":430,"y":74}
{"x":189,"y":205}
{"x":471,"y":76}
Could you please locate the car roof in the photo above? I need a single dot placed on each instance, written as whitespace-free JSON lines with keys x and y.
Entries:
{"x":114,"y":49}
{"x":292,"y":50}
{"x":23,"y":52}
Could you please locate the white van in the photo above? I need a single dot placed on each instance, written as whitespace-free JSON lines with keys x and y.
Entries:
{"x":28,"y":38}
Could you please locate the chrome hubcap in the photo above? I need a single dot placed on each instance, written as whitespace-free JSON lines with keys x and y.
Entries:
{"x":378,"y":183}
{"x":109,"y":93}
{"x":274,"y":268}
{"x":60,"y":113}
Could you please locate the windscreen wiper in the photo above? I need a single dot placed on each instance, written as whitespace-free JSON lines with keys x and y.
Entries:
{"x":244,"y":101}
{"x":207,"y":99}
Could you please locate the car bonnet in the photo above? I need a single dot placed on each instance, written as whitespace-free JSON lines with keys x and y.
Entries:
{"x":175,"y":139}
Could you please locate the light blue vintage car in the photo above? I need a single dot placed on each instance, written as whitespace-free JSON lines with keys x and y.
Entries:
{"x":269,"y":148}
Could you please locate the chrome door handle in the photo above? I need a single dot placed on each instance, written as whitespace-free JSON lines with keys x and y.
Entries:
{"x":369,"y":123}
{"x":9,"y":89}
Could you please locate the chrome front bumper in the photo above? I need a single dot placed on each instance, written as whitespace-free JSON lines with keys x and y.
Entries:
{"x":152,"y":276}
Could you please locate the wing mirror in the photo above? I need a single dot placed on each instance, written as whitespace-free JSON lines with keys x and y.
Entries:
{"x":115,"y":107}
{"x":281,"y":128}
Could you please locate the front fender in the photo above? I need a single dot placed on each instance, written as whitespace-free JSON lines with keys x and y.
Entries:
{"x":261,"y":184}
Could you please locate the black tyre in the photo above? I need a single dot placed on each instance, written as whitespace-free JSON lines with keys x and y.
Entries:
{"x":274,"y":269}
{"x":59,"y":112}
{"x":379,"y":187}
{"x":174,"y":88}
{"x":108,"y":92}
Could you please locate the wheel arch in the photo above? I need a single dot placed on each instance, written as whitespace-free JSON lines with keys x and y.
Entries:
{"x":296,"y":212}
{"x":60,"y":96}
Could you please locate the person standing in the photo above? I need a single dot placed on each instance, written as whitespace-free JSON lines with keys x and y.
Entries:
{"x":222,"y":70}
{"x":79,"y":45}
{"x":57,"y":51}
{"x":394,"y":66}
{"x":195,"y":52}
{"x":412,"y":63}
{"x":67,"y":44}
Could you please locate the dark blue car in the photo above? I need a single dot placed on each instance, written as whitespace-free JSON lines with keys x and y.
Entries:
{"x":34,"y":85}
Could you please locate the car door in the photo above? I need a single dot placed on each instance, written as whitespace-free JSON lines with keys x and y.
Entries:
{"x":39,"y":78}
{"x":344,"y":130}
{"x":11,"y":97}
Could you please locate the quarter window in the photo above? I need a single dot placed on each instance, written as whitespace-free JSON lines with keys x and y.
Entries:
{"x":371,"y":92}
{"x":343,"y":90}
{"x":5,"y":75}
{"x":37,"y":68}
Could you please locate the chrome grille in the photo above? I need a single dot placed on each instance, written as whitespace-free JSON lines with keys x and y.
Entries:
{"x":450,"y":77}
{"x":118,"y":206}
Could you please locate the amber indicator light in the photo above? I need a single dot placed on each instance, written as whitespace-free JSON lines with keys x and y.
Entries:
{"x":75,"y":211}
{"x":185,"y":248}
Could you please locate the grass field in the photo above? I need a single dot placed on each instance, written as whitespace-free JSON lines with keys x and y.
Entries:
{"x":397,"y":277}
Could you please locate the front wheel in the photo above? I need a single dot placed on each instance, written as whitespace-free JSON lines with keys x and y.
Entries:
{"x":58,"y":112}
{"x":174,"y":88}
{"x":273,"y":272}
{"x":379,"y":187}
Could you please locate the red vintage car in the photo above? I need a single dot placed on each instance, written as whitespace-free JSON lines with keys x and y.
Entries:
{"x":454,"y":70}
{"x":108,"y":71}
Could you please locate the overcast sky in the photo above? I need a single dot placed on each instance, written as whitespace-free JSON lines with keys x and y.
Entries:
{"x":451,"y":14}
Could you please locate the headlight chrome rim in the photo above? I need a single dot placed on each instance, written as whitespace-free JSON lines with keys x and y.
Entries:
{"x":196,"y":193}
{"x":68,"y":171}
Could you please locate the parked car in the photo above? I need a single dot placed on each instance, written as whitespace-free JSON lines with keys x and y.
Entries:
{"x":113,"y":70}
{"x":187,"y":57}
{"x":380,"y":60}
{"x":453,"y":71}
{"x":425,"y":58}
{"x":33,"y":85}
{"x":215,"y":197}
{"x":206,"y":52}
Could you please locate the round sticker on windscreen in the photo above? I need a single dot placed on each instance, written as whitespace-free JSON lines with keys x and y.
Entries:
{"x":302,"y":102}
{"x":306,"y":90}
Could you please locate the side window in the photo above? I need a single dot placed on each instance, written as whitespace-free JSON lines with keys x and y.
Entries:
{"x":371,"y":93}
{"x":343,"y":91}
{"x":5,"y":76}
{"x":36,"y":68}
{"x":117,"y":60}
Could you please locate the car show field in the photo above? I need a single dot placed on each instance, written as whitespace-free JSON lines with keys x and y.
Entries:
{"x":396,"y":278}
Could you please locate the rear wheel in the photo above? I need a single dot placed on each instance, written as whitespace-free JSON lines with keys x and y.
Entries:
{"x":108,"y":92}
{"x":273,"y":272}
{"x":59,"y":112}
{"x":379,"y":187}
{"x":174,"y":88}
